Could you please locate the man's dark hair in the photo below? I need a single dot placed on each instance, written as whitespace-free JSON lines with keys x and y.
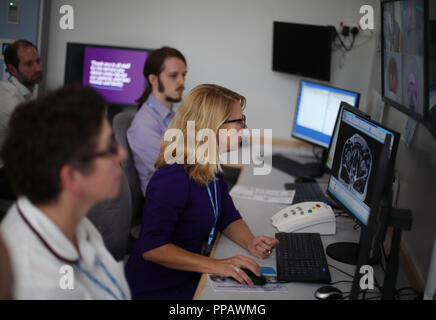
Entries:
{"x":61,"y":127}
{"x":154,"y":65}
{"x":11,"y":52}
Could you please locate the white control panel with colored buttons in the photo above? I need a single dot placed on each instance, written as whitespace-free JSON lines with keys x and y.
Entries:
{"x":306,"y":217}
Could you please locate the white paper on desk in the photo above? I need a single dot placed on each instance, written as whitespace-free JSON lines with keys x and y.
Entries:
{"x":266,"y":195}
{"x":227,"y":284}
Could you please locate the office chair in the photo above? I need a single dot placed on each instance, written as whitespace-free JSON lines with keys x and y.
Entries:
{"x":121,"y":122}
{"x":113,"y":219}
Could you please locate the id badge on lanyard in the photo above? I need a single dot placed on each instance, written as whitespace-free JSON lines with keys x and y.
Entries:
{"x":211,"y":236}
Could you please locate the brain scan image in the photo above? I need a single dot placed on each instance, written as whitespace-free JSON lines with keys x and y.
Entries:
{"x":412,"y":91}
{"x":413,"y":83}
{"x":413,"y":18}
{"x":393,"y":75}
{"x":355,"y":167}
{"x":392,"y":30}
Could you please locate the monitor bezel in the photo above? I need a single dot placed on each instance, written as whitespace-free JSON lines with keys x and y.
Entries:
{"x":431,"y":53}
{"x":389,"y":174}
{"x":82,"y":46}
{"x":297,"y":107}
{"x":400,"y":107}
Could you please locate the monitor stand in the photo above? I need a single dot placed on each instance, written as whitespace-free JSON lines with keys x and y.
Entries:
{"x":314,"y":169}
{"x":348,"y":252}
{"x":299,"y":170}
{"x":345,"y":252}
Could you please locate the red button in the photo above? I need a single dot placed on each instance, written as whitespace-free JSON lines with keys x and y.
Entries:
{"x":318,"y":206}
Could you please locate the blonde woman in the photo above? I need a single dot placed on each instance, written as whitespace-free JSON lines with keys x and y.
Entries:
{"x":187,"y":201}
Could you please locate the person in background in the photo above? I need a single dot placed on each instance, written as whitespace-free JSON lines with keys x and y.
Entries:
{"x":61,"y":157}
{"x":164,"y":70}
{"x":25,"y":71}
{"x":188,"y":201}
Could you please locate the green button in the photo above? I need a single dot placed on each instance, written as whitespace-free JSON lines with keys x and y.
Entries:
{"x":310,"y":211}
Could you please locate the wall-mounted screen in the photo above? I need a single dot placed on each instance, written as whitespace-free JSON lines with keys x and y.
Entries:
{"x":404,"y":56}
{"x":115,"y":72}
{"x":302,"y":49}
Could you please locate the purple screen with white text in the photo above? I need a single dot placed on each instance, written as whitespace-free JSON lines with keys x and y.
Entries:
{"x":117,"y":74}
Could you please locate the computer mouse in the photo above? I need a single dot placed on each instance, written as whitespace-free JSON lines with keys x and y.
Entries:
{"x":328,"y":293}
{"x":259,"y":281}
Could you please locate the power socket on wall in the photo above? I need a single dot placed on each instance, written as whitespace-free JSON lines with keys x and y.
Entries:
{"x":13,"y":11}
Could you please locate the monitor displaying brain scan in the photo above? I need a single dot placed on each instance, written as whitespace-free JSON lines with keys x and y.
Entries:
{"x":357,"y":155}
{"x":403,"y":55}
{"x":355,"y":166}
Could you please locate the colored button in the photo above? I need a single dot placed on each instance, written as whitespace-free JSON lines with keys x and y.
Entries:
{"x":318,"y":206}
{"x":310,"y":211}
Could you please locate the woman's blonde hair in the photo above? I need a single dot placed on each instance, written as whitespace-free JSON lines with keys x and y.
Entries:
{"x":209,"y":106}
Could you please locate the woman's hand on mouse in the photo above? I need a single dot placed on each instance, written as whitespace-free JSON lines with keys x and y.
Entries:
{"x":231,"y":267}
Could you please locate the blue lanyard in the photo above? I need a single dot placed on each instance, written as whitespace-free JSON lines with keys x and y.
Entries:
{"x":215,"y":213}
{"x":10,"y":80}
{"x":165,"y":121}
{"x":101,"y":285}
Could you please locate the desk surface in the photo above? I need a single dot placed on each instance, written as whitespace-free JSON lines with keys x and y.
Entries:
{"x":258,"y":217}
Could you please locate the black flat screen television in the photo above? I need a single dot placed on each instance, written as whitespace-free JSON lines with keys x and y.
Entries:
{"x":115,"y":72}
{"x":431,"y":119}
{"x":302,"y":49}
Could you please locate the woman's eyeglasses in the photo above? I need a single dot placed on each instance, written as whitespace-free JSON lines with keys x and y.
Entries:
{"x":242,"y":121}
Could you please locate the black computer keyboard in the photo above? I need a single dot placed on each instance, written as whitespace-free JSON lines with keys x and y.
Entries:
{"x":291,"y":167}
{"x":300,"y":257}
{"x":309,"y":191}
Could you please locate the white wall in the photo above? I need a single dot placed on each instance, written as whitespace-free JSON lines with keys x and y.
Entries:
{"x":227,"y":42}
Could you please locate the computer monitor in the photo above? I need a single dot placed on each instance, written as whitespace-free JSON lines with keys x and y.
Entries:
{"x":315,"y":115}
{"x":431,"y":117}
{"x":302,"y":49}
{"x":317,"y":109}
{"x":115,"y":72}
{"x":361,"y":173}
{"x":334,"y":138}
{"x":4,"y":47}
{"x":405,"y":68}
